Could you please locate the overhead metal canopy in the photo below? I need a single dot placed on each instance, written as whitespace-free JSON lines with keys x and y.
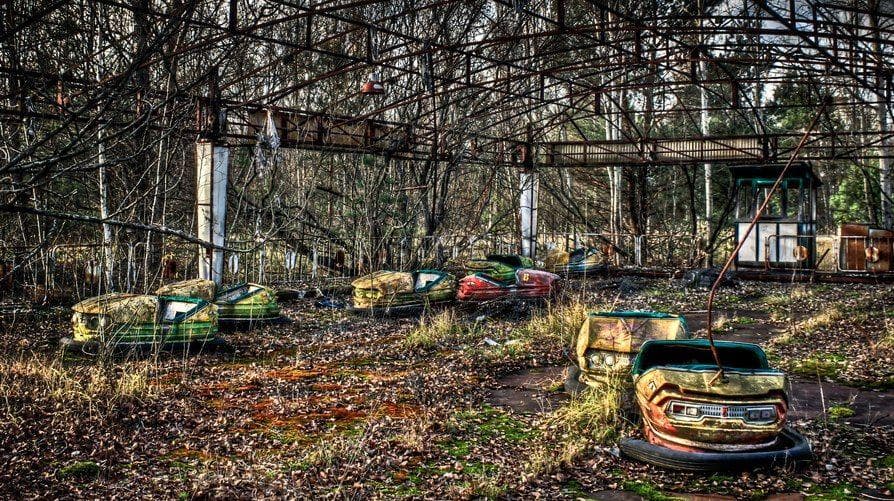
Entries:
{"x":457,"y":71}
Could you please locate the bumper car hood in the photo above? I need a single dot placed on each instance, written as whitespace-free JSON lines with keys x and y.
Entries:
{"x":199,"y":287}
{"x":387,"y":282}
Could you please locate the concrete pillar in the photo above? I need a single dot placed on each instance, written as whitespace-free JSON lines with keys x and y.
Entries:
{"x":706,"y":131}
{"x":530,"y":189}
{"x":212,"y":168}
{"x":108,"y":251}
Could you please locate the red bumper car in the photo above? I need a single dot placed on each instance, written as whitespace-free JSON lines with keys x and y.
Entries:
{"x":527,"y":284}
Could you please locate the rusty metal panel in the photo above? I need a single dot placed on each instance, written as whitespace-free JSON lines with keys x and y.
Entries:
{"x":852,"y":253}
{"x":878,"y":250}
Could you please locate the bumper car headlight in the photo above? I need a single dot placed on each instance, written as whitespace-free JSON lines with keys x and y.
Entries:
{"x":760,"y":414}
{"x":91,"y":321}
{"x":606,"y":360}
{"x":683,"y":410}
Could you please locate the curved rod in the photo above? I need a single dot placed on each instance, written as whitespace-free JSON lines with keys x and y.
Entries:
{"x":754,"y":220}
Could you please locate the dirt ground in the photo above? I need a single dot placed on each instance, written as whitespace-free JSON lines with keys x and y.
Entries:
{"x":342,"y":406}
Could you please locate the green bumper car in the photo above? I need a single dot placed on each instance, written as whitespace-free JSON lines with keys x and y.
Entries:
{"x":119,"y":320}
{"x":398,"y":293}
{"x":238,"y":304}
{"x":501,"y":267}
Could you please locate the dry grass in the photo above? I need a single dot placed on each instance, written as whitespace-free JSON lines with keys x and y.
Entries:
{"x":802,"y":293}
{"x":558,"y":324}
{"x":593,"y":414}
{"x":545,"y":458}
{"x":415,"y":435}
{"x":592,"y":417}
{"x":94,"y":386}
{"x":723,"y":322}
{"x":831,"y":316}
{"x":787,"y":338}
{"x":887,"y":340}
{"x":338,"y":446}
{"x":778,"y":300}
{"x":437,"y":329}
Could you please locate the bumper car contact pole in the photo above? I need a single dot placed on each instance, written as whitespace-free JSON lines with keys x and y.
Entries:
{"x":757,"y":215}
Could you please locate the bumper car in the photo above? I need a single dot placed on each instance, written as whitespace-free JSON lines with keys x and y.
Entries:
{"x":120,"y":320}
{"x":579,"y":261}
{"x":694,"y":420}
{"x":236,"y":304}
{"x":608,"y":342}
{"x":396,"y":292}
{"x":524,"y":284}
{"x":501,"y":267}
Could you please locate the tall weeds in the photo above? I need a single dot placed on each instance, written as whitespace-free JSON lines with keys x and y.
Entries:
{"x":95,"y":387}
{"x":441,"y":328}
{"x":593,"y":417}
{"x":558,"y":324}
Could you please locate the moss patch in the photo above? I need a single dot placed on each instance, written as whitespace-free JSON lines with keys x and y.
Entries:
{"x":840,"y":411}
{"x":457,"y":448}
{"x":828,"y":365}
{"x":489,"y":422}
{"x":80,"y":470}
{"x":647,"y":491}
{"x":836,"y":492}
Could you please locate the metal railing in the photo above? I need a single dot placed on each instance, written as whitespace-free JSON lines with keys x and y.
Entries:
{"x":78,"y":270}
{"x":629,"y":250}
{"x":283,"y":261}
{"x":831,"y":253}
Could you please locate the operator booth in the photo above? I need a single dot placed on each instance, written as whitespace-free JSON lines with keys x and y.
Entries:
{"x":785,"y":235}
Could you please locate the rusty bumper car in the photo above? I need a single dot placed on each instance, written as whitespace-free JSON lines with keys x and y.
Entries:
{"x":608,"y":341}
{"x":500,"y":267}
{"x":124,"y":321}
{"x":582,"y":261}
{"x":396,"y":292}
{"x":694,"y":420}
{"x":524,"y":284}
{"x":238,"y":305}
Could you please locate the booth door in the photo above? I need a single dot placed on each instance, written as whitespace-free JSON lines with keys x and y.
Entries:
{"x":774,"y":240}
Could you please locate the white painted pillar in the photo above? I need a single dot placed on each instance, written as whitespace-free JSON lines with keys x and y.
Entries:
{"x":530,"y":190}
{"x":108,"y":260}
{"x":212,"y":168}
{"x":706,"y":131}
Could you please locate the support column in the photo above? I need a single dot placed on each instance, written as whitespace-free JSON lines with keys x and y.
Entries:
{"x":212,"y":169}
{"x":706,"y":131}
{"x":529,"y":183}
{"x":530,"y":189}
{"x":108,"y":252}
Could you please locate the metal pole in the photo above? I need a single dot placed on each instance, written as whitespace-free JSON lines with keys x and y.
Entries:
{"x":757,"y":216}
